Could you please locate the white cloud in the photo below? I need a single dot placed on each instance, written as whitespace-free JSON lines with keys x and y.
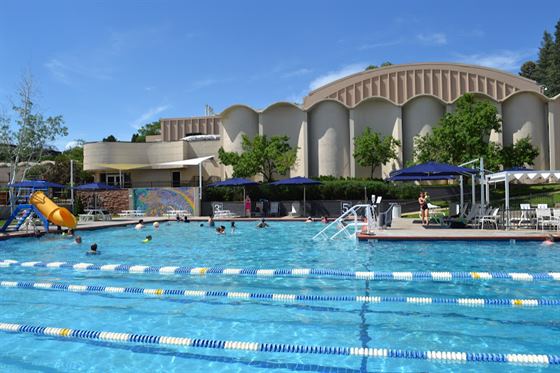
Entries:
{"x":72,"y":144}
{"x":436,"y":38}
{"x":380,"y":44}
{"x":331,"y":76}
{"x":503,"y":60}
{"x":148,"y":115}
{"x":297,"y":72}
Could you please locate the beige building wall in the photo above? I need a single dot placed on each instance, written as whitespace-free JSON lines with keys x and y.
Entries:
{"x":98,"y":153}
{"x":174,"y":129}
{"x":329,"y":140}
{"x":380,"y":116}
{"x":287,"y":119}
{"x":524,"y":115}
{"x":554,"y":132}
{"x":237,"y":121}
{"x":420,"y":115}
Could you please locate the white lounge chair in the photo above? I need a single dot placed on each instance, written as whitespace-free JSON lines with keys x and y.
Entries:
{"x":544,"y":217}
{"x":274,"y":209}
{"x":493,"y":218}
{"x":294,"y":212}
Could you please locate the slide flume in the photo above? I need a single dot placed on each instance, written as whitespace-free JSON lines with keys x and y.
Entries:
{"x":54,"y":213}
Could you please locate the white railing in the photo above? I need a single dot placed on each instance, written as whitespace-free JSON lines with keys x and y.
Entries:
{"x":344,"y":227}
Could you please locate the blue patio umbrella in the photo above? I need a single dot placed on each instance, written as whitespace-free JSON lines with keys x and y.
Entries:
{"x":35,"y":184}
{"x":419,"y":178}
{"x":95,"y":186}
{"x":431,"y":170}
{"x":298,"y":180}
{"x":236,"y":181}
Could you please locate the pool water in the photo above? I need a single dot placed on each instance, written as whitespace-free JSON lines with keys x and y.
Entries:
{"x":283,"y":245}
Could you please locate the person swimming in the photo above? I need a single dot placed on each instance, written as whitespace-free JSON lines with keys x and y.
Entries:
{"x":156,"y":225}
{"x":232,"y":226}
{"x":140,"y":224}
{"x":211,"y":221}
{"x":221,"y":230}
{"x":309,"y":220}
{"x":93,"y":250}
{"x":78,"y":240}
{"x":147,"y":239}
{"x":262,"y":224}
{"x":549,"y":240}
{"x":202,"y":224}
{"x":186,"y":219}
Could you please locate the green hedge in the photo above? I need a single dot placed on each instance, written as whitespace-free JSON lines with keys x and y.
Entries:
{"x":331,"y":189}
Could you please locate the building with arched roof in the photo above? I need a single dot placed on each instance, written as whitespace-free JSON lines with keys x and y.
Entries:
{"x":402,"y":101}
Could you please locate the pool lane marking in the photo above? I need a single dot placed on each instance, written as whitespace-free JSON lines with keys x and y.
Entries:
{"x":293,"y":272}
{"x":383,"y":353}
{"x":472,"y":302}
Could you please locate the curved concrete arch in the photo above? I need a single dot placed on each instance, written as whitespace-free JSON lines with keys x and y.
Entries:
{"x":381,"y":116}
{"x":429,"y":96}
{"x":235,"y":106}
{"x":400,"y":83}
{"x":281,"y":103}
{"x":325,"y":100}
{"x":290,"y":120}
{"x":525,"y":115}
{"x":329,"y":139}
{"x":542,"y":97}
{"x":419,"y":117}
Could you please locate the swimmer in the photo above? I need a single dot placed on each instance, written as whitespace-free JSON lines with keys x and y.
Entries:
{"x":262,"y":224}
{"x":221,"y":230}
{"x":140,"y":225}
{"x":147,"y":239}
{"x":186,"y":219}
{"x":156,"y":225}
{"x":211,"y":221}
{"x":232,"y":226}
{"x":78,"y":240}
{"x":202,"y":224}
{"x":549,"y":240}
{"x":309,"y":220}
{"x":177,"y":218}
{"x":93,"y":250}
{"x":325,"y":220}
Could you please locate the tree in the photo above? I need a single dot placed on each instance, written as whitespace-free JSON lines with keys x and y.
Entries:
{"x":263,"y":155}
{"x":110,"y":138}
{"x":519,"y":154}
{"x":528,"y":70}
{"x":373,"y":67}
{"x":372,"y":150}
{"x":27,"y":138}
{"x":546,"y":70}
{"x":464,"y":135}
{"x":149,"y":129}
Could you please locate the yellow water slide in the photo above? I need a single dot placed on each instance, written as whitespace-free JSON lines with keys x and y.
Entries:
{"x":54,"y":213}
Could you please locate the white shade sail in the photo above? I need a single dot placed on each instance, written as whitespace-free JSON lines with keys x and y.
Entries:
{"x":183,"y":163}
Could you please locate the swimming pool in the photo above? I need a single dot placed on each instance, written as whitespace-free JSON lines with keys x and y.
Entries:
{"x":337,"y":323}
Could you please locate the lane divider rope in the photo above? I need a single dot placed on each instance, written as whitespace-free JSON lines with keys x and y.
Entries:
{"x":279,"y":297}
{"x":442,"y":356}
{"x":293,"y":272}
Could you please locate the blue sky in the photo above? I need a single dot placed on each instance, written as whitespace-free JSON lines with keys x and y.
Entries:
{"x":111,"y":66}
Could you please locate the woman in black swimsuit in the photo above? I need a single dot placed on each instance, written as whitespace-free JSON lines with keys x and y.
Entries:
{"x":423,"y":209}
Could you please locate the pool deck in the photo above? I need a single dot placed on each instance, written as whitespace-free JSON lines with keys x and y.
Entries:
{"x":407,"y":230}
{"x":401,"y":230}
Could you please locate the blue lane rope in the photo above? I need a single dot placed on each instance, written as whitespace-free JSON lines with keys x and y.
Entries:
{"x":279,"y":297}
{"x":293,"y":272}
{"x":442,"y":356}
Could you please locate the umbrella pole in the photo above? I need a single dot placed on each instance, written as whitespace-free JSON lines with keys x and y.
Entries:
{"x":304,"y":214}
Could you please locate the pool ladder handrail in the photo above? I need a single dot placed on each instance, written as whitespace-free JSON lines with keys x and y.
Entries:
{"x":338,"y":222}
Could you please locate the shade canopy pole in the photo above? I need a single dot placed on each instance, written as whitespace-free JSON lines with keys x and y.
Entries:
{"x":461,"y":181}
{"x":200,"y":182}
{"x":304,"y":214}
{"x":473,"y":191}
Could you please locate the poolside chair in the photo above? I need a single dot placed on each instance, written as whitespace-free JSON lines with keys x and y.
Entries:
{"x":294,"y":211}
{"x":544,"y":217}
{"x":274,"y":209}
{"x":525,"y":216}
{"x":542,"y":206}
{"x":493,"y":218}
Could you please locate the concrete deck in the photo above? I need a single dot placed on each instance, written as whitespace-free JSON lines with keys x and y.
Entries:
{"x":406,"y":229}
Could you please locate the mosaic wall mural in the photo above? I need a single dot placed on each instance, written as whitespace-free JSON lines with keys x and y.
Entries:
{"x":158,"y":201}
